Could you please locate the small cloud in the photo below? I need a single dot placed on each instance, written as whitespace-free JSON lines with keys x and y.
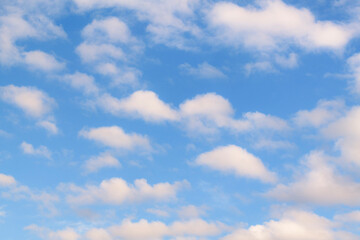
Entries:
{"x":29,"y":149}
{"x":104,"y":160}
{"x":203,"y":70}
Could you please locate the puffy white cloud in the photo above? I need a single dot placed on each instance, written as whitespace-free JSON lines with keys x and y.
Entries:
{"x":118,"y":191}
{"x":157,"y":230}
{"x":143,"y":104}
{"x":89,"y":52}
{"x":82,"y":82}
{"x":325,"y":112}
{"x":32,"y":101}
{"x":6,"y":180}
{"x":48,"y":126}
{"x":168,"y":20}
{"x":191,"y":212}
{"x":236,"y":160}
{"x":206,"y":113}
{"x":98,"y":234}
{"x":44,"y":233}
{"x":28,"y":148}
{"x":109,"y":29}
{"x":120,"y":76}
{"x":115,"y":137}
{"x":320,"y":184}
{"x":274,"y":25}
{"x":293,"y":225}
{"x":104,"y":160}
{"x":40,"y":60}
{"x":203,"y":70}
{"x":346,"y":132}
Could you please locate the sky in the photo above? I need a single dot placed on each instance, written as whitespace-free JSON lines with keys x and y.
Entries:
{"x":179,"y":120}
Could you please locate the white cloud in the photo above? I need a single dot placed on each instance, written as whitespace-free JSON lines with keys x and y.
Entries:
{"x":236,"y":160}
{"x":293,"y":225}
{"x":44,"y":233}
{"x":119,"y":76}
{"x":263,"y":143}
{"x":142,"y":104}
{"x":89,"y":52}
{"x":158,"y":212}
{"x":48,"y":126}
{"x":287,"y":62}
{"x":115,"y":137}
{"x":109,"y":29}
{"x":320,"y":184}
{"x":40,"y":60}
{"x":325,"y":112}
{"x":104,"y":160}
{"x":168,"y":21}
{"x":346,"y":132}
{"x":82,"y":82}
{"x":261,"y":66}
{"x":32,"y":101}
{"x":353,"y":216}
{"x":27,"y":148}
{"x":203,"y":70}
{"x":206,"y":113}
{"x":6,"y":180}
{"x":274,"y":25}
{"x":117,"y":191}
{"x":98,"y":234}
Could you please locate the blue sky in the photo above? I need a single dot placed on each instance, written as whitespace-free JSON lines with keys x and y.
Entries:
{"x":179,"y":119}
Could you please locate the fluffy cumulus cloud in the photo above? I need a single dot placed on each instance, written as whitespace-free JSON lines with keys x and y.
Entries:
{"x":115,"y":137}
{"x":293,"y":225}
{"x":42,"y":61}
{"x":81,"y":82}
{"x":346,"y":132}
{"x":117,"y":191}
{"x":206,"y":113}
{"x":353,"y":216}
{"x":104,"y":160}
{"x":325,"y":112}
{"x":236,"y":160}
{"x":168,"y":21}
{"x":28,"y":148}
{"x":31,"y":100}
{"x":272,"y":25}
{"x":319,"y":184}
{"x":6,"y":180}
{"x":44,"y":233}
{"x":141,"y":104}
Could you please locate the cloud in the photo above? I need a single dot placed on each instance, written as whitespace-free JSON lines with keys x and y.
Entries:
{"x":293,"y":225}
{"x":325,"y":112}
{"x":6,"y":180}
{"x":94,"y":52}
{"x":98,"y":234}
{"x":158,"y":212}
{"x":44,"y":233}
{"x":287,"y":62}
{"x":104,"y":160}
{"x":206,"y":113}
{"x":109,"y":29}
{"x":117,"y":191}
{"x":141,"y":104}
{"x":274,"y":25}
{"x":115,"y":137}
{"x":346,"y":132}
{"x":191,"y":212}
{"x":42,"y":61}
{"x":353,"y":216}
{"x":203,"y":70}
{"x":48,"y":126}
{"x":236,"y":160}
{"x":168,"y":21}
{"x":354,"y":66}
{"x":27,"y":148}
{"x":82,"y":82}
{"x":260,"y":66}
{"x":32,"y":101}
{"x":319,"y":184}
{"x":120,"y":76}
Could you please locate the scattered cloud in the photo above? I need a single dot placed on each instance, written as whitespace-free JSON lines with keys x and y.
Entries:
{"x":42,"y":61}
{"x":48,"y":126}
{"x":28,"y":148}
{"x":104,"y":160}
{"x":81,"y":82}
{"x":203,"y":70}
{"x":236,"y":160}
{"x":117,"y":191}
{"x":115,"y":137}
{"x":31,"y":100}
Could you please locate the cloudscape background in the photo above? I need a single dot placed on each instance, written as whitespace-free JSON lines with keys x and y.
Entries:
{"x":179,"y":119}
